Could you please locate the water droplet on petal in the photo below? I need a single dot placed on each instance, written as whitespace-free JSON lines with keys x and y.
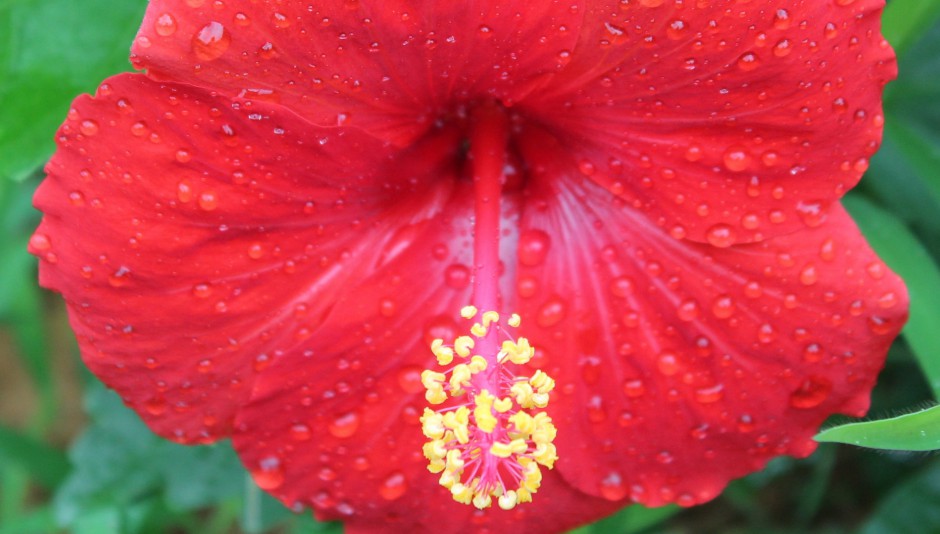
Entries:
{"x":393,"y":487}
{"x":811,"y":393}
{"x":269,"y":475}
{"x":88,"y":127}
{"x":409,"y":379}
{"x":211,"y":41}
{"x":300,"y":432}
{"x":721,"y":236}
{"x":612,"y":487}
{"x":165,"y":25}
{"x":551,"y":313}
{"x":533,"y":247}
{"x":736,"y":159}
{"x":457,"y":276}
{"x":345,"y":425}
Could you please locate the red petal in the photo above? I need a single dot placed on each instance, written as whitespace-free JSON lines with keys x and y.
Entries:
{"x":390,"y":67}
{"x":194,"y":243}
{"x":681,"y":366}
{"x":339,"y":431}
{"x":730,"y":124}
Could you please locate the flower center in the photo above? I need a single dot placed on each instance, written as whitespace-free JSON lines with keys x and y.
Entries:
{"x":487,"y":446}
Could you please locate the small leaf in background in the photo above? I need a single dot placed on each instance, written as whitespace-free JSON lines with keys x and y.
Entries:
{"x":918,"y":431}
{"x":905,"y":21}
{"x":911,"y":507}
{"x":43,"y":67}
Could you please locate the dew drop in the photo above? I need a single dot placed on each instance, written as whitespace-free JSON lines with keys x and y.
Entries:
{"x":634,"y":388}
{"x":155,"y":405}
{"x":300,"y":432}
{"x":165,"y":25}
{"x":533,"y":247}
{"x":748,"y":61}
{"x":676,"y":29}
{"x":721,"y":236}
{"x":880,"y":325}
{"x":40,"y":242}
{"x":269,"y":475}
{"x":211,"y":41}
{"x":736,"y":159}
{"x":120,"y":277}
{"x":612,"y":487}
{"x":723,"y":307}
{"x":688,"y":310}
{"x":409,"y":379}
{"x":812,"y":392}
{"x":621,"y":287}
{"x":457,"y":276}
{"x":387,"y":308}
{"x":550,"y":313}
{"x":208,"y":201}
{"x":709,"y":395}
{"x":393,"y":487}
{"x":88,"y":127}
{"x":202,"y":291}
{"x":345,"y":425}
{"x":667,"y":364}
{"x":809,"y":276}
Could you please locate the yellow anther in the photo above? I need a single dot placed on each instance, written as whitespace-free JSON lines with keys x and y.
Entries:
{"x":477,"y":364}
{"x":467,"y":312}
{"x":478,"y":330}
{"x":482,"y":500}
{"x":523,"y":422}
{"x":430,"y":378}
{"x":522,"y":392}
{"x":454,"y":461}
{"x":463,"y":345}
{"x":500,"y":449}
{"x":448,"y":478}
{"x":461,"y":493}
{"x":545,"y":454}
{"x":507,"y":501}
{"x":489,"y":318}
{"x":460,"y":377}
{"x":432,"y":424}
{"x":519,"y":352}
{"x":483,"y":412}
{"x":518,"y":446}
{"x":523,"y":495}
{"x":435,"y":394}
{"x":542,"y":382}
{"x":515,"y":320}
{"x":540,"y":400}
{"x":545,"y":431}
{"x":503,"y":405}
{"x":444,"y":355}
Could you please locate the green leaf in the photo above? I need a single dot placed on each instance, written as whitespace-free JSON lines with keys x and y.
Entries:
{"x":905,"y":21}
{"x":120,"y":463}
{"x":630,"y":520}
{"x":906,"y":256}
{"x":39,"y":521}
{"x":47,"y":465}
{"x":919,"y":431}
{"x":50,"y":51}
{"x":911,"y":507}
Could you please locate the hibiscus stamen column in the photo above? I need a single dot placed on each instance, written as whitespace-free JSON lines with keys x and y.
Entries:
{"x":487,"y":444}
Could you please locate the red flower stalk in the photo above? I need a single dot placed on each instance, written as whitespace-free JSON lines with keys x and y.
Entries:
{"x":261,"y":235}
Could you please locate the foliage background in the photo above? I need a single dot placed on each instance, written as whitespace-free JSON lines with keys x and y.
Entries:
{"x":73,"y":459}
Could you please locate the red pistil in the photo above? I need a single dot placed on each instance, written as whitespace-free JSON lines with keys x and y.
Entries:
{"x":489,"y":136}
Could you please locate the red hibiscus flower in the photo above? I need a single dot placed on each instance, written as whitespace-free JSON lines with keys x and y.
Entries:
{"x":261,"y":235}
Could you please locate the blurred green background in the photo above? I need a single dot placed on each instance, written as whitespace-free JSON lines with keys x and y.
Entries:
{"x":73,"y":459}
